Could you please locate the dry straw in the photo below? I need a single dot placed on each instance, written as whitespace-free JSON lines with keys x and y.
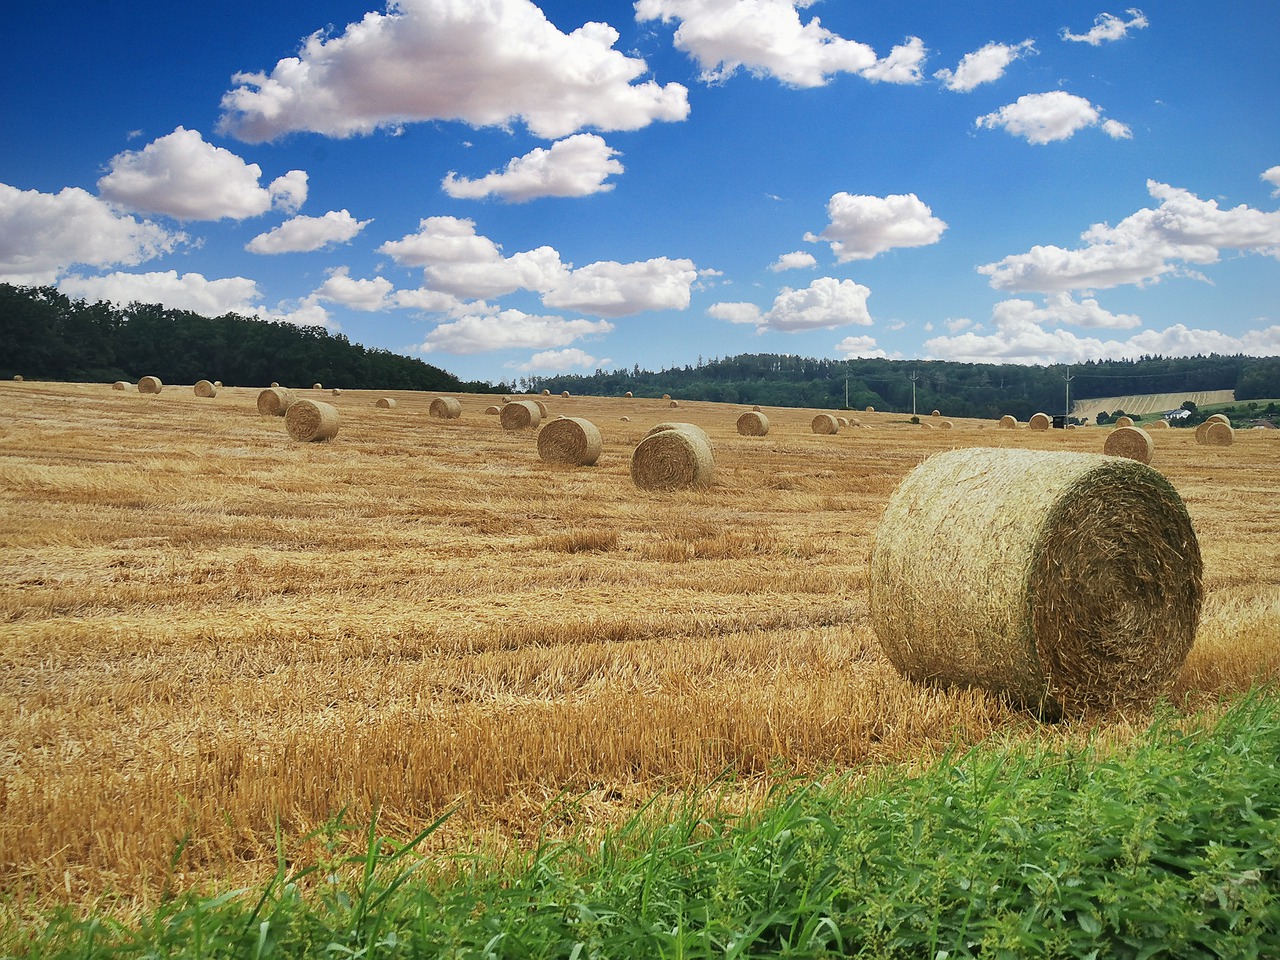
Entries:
{"x":1065,"y":582}
{"x":121,"y":385}
{"x":753,"y":424}
{"x":1008,"y":422}
{"x":520,"y":415}
{"x":311,"y":420}
{"x":679,"y":458}
{"x":936,"y":413}
{"x":542,"y":409}
{"x":627,"y":394}
{"x":1039,"y":421}
{"x":336,"y":391}
{"x":317,"y":386}
{"x":492,"y":411}
{"x":1219,"y":435}
{"x":1159,"y":425}
{"x":946,"y":425}
{"x":564,"y":394}
{"x":1124,"y":421}
{"x":674,"y":403}
{"x":1218,"y":418}
{"x":572,"y":441}
{"x":274,"y":401}
{"x":150,"y":385}
{"x":870,"y":410}
{"x":17,"y":377}
{"x":446,"y":408}
{"x":824,"y":423}
{"x":1132,"y":442}
{"x":386,"y":403}
{"x":205,"y":388}
{"x":546,"y":393}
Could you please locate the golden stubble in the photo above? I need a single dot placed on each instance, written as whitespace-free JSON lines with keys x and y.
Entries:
{"x":207,"y":628}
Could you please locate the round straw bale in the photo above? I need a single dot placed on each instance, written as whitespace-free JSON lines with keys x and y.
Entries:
{"x":1158,"y":425}
{"x":571,"y":440}
{"x":1065,"y":582}
{"x":1218,"y":418}
{"x":274,"y":383}
{"x":150,"y":385}
{"x":824,"y":423}
{"x":520,"y":415}
{"x":666,"y":396}
{"x":493,"y":411}
{"x":686,"y":427}
{"x":673,"y":403}
{"x":218,"y":384}
{"x":446,"y":408}
{"x":1008,"y":422}
{"x":274,"y":401}
{"x":17,"y":377}
{"x":317,"y":386}
{"x":756,"y":408}
{"x":542,"y":409}
{"x":936,"y":413}
{"x":336,"y":391}
{"x":1201,"y":431}
{"x":311,"y":420}
{"x":1219,"y":435}
{"x":1040,"y":421}
{"x":674,"y":459}
{"x":205,"y":388}
{"x":753,"y":423}
{"x":564,"y":394}
{"x":1132,"y":442}
{"x":1124,"y":421}
{"x":627,"y":394}
{"x":870,"y":410}
{"x":386,"y":403}
{"x":546,"y":393}
{"x":625,"y":419}
{"x":121,"y":385}
{"x":855,"y":422}
{"x":842,"y":421}
{"x":945,"y":425}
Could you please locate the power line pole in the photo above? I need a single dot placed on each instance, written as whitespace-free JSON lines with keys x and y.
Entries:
{"x":1068,"y":378}
{"x":913,"y":378}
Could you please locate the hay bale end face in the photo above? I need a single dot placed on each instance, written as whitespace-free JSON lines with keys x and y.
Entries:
{"x":492,"y":411}
{"x":753,"y":423}
{"x":1124,"y":421}
{"x":218,"y":384}
{"x":385,"y":403}
{"x":311,"y":420}
{"x":625,"y":419}
{"x":1219,"y":434}
{"x":1132,"y":442}
{"x":274,"y":401}
{"x":546,"y":393}
{"x":520,"y":415}
{"x":317,"y":386}
{"x":945,"y":425}
{"x":17,"y":378}
{"x":564,"y":394}
{"x":1065,"y":582}
{"x":627,"y":394}
{"x":1159,"y":425}
{"x":825,"y":424}
{"x":446,"y":408}
{"x":275,"y":383}
{"x":666,"y":396}
{"x":673,"y":459}
{"x":870,"y":410}
{"x":121,"y":385}
{"x":1040,"y":421}
{"x":936,"y":413}
{"x":1008,"y":422}
{"x":205,"y":388}
{"x":336,"y":391}
{"x":150,"y":385}
{"x":572,"y":441}
{"x":542,"y":409}
{"x":1218,"y":418}
{"x":674,"y":403}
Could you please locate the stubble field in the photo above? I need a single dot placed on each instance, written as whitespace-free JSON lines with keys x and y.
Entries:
{"x":208,"y":630}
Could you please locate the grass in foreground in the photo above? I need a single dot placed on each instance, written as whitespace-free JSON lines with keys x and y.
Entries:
{"x":1166,"y":847}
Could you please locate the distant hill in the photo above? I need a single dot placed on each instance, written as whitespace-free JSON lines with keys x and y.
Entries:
{"x":48,"y":336}
{"x":1148,"y":404}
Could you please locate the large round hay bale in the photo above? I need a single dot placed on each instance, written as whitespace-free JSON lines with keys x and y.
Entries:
{"x":870,"y":410}
{"x":1040,"y":421}
{"x":520,"y":415}
{"x":1158,"y":425}
{"x":542,"y":409}
{"x":666,"y":396}
{"x":274,"y":401}
{"x":824,"y":423}
{"x":336,"y":391}
{"x":121,"y":385}
{"x":625,"y":419}
{"x":756,"y":408}
{"x":492,"y":411}
{"x":317,"y":386}
{"x":945,"y":425}
{"x":17,"y":378}
{"x":627,"y":394}
{"x":936,"y":413}
{"x":686,"y":427}
{"x":446,"y":408}
{"x":218,"y":384}
{"x":1202,"y":430}
{"x":311,"y":420}
{"x":1132,"y":442}
{"x":571,"y":440}
{"x":676,"y":459}
{"x":1065,"y":582}
{"x":150,"y":385}
{"x":564,"y":394}
{"x":1219,"y":434}
{"x":275,"y":383}
{"x":1123,"y":421}
{"x":385,"y":403}
{"x":842,"y":421}
{"x":673,"y":403}
{"x":1008,"y":422}
{"x":546,"y":393}
{"x":1218,"y":418}
{"x":753,"y":423}
{"x":205,"y":388}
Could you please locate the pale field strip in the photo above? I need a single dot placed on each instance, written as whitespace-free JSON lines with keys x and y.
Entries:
{"x":1149,"y":403}
{"x":206,"y":626}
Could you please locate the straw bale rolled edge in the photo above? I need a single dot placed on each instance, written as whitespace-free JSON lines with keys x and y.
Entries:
{"x":446,"y":408}
{"x":311,"y":420}
{"x":520,"y":415}
{"x":150,"y":385}
{"x":386,"y":403}
{"x":1132,"y":442}
{"x":1219,"y":434}
{"x":274,"y":401}
{"x":1039,"y":421}
{"x":1124,"y":421}
{"x":824,"y":423}
{"x":574,"y":441}
{"x":753,"y":423}
{"x":121,"y":385}
{"x":673,"y":459}
{"x":205,"y":388}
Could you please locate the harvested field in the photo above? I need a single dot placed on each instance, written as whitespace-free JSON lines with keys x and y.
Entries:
{"x":420,"y":614}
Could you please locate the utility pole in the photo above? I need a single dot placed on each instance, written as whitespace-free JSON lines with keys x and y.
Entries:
{"x":846,"y":393}
{"x":913,"y":378}
{"x":1068,"y":378}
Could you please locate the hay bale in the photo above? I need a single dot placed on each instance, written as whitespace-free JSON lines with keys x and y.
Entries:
{"x":753,"y":423}
{"x":218,"y":384}
{"x":627,"y":394}
{"x":336,"y":391}
{"x":945,"y":425}
{"x":572,"y":441}
{"x":1065,"y":582}
{"x":317,"y":386}
{"x":625,"y":419}
{"x":674,"y":403}
{"x":1219,"y":435}
{"x":870,"y":410}
{"x":520,"y":415}
{"x":1132,"y":442}
{"x":666,"y":396}
{"x":274,"y":383}
{"x":842,"y":421}
{"x":756,"y":408}
{"x":542,"y":409}
{"x":274,"y":401}
{"x":855,"y":422}
{"x":205,"y":388}
{"x":1008,"y":422}
{"x":492,"y":411}
{"x":311,"y":420}
{"x":150,"y":385}
{"x":17,"y":377}
{"x":1124,"y":421}
{"x":1218,"y":418}
{"x":546,"y":393}
{"x":673,"y":459}
{"x":1159,"y":425}
{"x":564,"y":394}
{"x":936,"y":413}
{"x":121,"y":385}
{"x":824,"y":423}
{"x":1040,"y":421}
{"x":446,"y":408}
{"x":385,"y":403}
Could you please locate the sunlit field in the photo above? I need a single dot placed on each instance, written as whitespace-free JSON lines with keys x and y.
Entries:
{"x":209,"y":632}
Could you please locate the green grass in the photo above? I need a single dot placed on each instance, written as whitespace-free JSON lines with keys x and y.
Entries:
{"x":1168,"y":847}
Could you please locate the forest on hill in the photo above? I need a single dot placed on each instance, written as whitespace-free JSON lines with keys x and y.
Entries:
{"x":48,"y":336}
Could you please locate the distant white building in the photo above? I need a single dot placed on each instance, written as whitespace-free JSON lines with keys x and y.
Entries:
{"x":1175,"y":415}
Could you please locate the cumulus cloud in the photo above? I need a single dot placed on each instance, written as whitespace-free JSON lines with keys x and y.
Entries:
{"x":574,"y":167}
{"x":555,"y":360}
{"x":798,"y":260}
{"x":862,"y":227}
{"x":823,"y":305}
{"x":305,"y":234}
{"x":861,"y":348}
{"x":308,"y":313}
{"x":508,"y":330}
{"x":188,"y":291}
{"x":43,"y":234}
{"x":1272,"y":177}
{"x":484,"y":64}
{"x":768,"y":38}
{"x":1143,"y":247}
{"x":1045,"y":117}
{"x":457,"y":260}
{"x":984,"y":65}
{"x":188,"y":179}
{"x":367,"y":296}
{"x":1106,"y":27}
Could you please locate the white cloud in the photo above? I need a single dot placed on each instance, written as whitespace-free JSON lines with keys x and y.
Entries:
{"x":610,"y":289}
{"x":1107,"y":26}
{"x":190,"y":291}
{"x":767,"y":38}
{"x":555,"y":360}
{"x":824,"y":304}
{"x":507,"y":330}
{"x":984,"y":65}
{"x":1045,"y":117}
{"x":308,"y":313}
{"x":860,"y":348}
{"x":798,"y":260}
{"x":305,"y":234}
{"x":188,"y":179}
{"x":574,"y":167}
{"x":1061,"y":308}
{"x":433,"y":301}
{"x":43,"y":234}
{"x":862,"y":227}
{"x":958,"y":324}
{"x":484,"y":64}
{"x":368,"y":296}
{"x":1272,"y":176}
{"x":1143,"y":247}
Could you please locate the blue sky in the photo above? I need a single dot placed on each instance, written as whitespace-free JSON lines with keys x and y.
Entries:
{"x":505,"y":188}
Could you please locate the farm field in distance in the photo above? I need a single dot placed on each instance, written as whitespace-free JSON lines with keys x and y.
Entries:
{"x":206,"y":626}
{"x":1149,"y":404}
